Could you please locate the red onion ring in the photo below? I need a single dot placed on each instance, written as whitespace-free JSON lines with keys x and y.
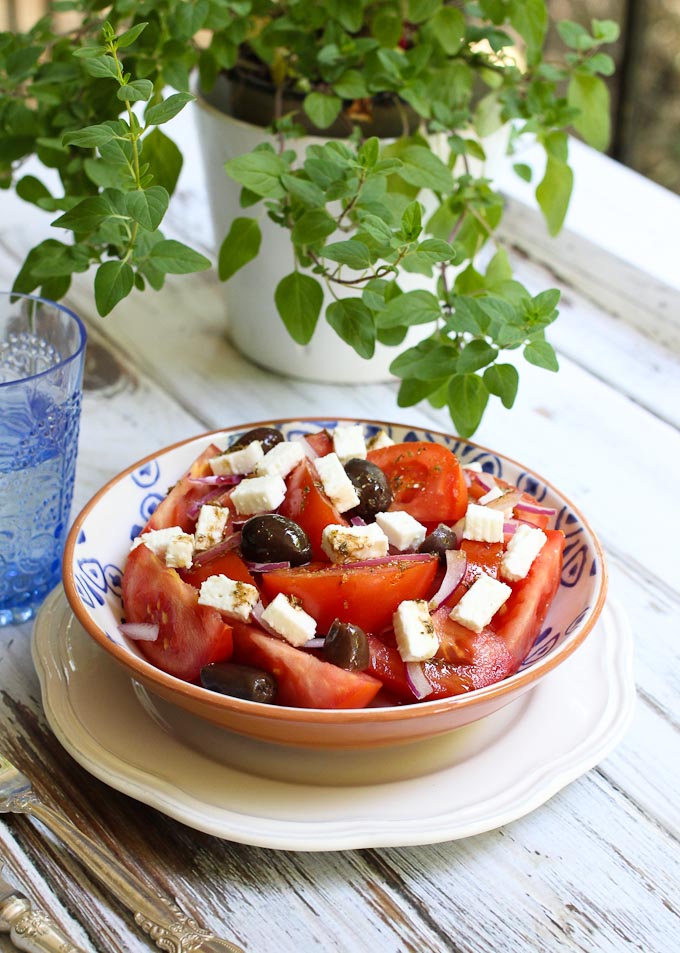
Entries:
{"x":140,"y":631}
{"x":357,"y":521}
{"x":258,"y":609}
{"x":485,"y":480}
{"x":267,"y":567}
{"x":219,"y":549}
{"x":417,"y":680}
{"x":313,"y":644}
{"x":456,"y":564}
{"x":535,"y":508}
{"x":218,"y":479}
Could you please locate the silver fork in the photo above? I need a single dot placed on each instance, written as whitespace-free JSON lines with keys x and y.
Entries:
{"x":160,"y":917}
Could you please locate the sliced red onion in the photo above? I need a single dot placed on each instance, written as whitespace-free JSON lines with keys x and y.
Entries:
{"x":357,"y":521}
{"x":140,"y":631}
{"x":485,"y":480}
{"x":509,"y":527}
{"x":225,"y":546}
{"x":258,"y":609}
{"x":535,"y":508}
{"x":194,"y":508}
{"x":456,"y":564}
{"x":218,"y":479}
{"x":307,"y":448}
{"x":267,"y":567}
{"x":506,"y":503}
{"x":417,"y":680}
{"x":313,"y":644}
{"x":384,"y":560}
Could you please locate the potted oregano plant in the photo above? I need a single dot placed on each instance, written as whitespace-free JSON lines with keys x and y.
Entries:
{"x":387,"y":209}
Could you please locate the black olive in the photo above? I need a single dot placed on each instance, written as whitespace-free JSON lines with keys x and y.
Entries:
{"x":373,"y":489}
{"x":439,"y":540}
{"x":271,"y":538}
{"x":346,"y":646}
{"x":268,"y":437}
{"x":240,"y":681}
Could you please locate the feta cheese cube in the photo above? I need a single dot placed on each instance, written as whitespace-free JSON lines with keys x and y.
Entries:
{"x":280,"y":460}
{"x":414,"y":629}
{"x":523,"y":547}
{"x":494,"y":493}
{"x":210,"y":525}
{"x":480,"y":603}
{"x":349,"y":443}
{"x":258,"y":495}
{"x":483,"y":524}
{"x":171,"y":544}
{"x":474,"y":466}
{"x":180,"y":551}
{"x":285,"y":615}
{"x":336,"y":484}
{"x":349,"y":544}
{"x":379,"y":440}
{"x":238,"y":462}
{"x":232,"y":598}
{"x":402,"y":530}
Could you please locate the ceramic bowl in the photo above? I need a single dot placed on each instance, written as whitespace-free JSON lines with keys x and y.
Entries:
{"x":100,"y":539}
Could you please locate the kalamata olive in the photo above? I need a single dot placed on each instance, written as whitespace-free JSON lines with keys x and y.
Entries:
{"x":239,"y":681}
{"x":373,"y":489}
{"x":268,"y":437}
{"x":346,"y":646}
{"x":271,"y":538}
{"x":438,"y":541}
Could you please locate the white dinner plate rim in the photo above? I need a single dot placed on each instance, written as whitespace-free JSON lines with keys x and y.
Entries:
{"x":56,"y":636}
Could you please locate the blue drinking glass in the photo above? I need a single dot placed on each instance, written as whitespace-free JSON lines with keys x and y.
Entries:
{"x":42,"y":353}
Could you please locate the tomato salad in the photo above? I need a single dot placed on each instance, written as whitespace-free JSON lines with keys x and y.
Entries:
{"x":328,"y":572}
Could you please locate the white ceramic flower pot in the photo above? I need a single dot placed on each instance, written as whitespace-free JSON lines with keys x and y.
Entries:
{"x":254,"y":325}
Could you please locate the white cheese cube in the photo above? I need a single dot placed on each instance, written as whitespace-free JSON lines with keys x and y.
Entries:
{"x":349,"y":443}
{"x":171,"y":544}
{"x":349,"y":544}
{"x":523,"y":547}
{"x":210,"y":525}
{"x":238,"y":462}
{"x":285,"y":615}
{"x":402,"y":530}
{"x":494,"y":493}
{"x":180,"y":551}
{"x":258,"y":495}
{"x":480,"y":603}
{"x":483,"y":524}
{"x":231,"y":597}
{"x":336,"y":484}
{"x":379,"y":440}
{"x":414,"y":629}
{"x":280,"y":460}
{"x":474,"y":466}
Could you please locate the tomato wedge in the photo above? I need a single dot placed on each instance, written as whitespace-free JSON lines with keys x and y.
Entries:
{"x":190,"y":636}
{"x":365,"y":595}
{"x":177,"y":506}
{"x":308,"y":505}
{"x":228,"y":564}
{"x":426,"y":480}
{"x":303,"y":680}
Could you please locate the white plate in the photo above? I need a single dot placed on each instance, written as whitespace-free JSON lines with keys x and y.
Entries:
{"x":474,"y":779}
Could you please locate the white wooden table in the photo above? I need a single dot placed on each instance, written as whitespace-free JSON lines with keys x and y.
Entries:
{"x":596,"y":868}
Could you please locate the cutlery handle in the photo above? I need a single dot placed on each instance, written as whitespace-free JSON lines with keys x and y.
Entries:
{"x":32,"y":930}
{"x":158,"y":916}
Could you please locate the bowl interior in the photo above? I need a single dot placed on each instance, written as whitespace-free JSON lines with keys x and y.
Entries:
{"x":100,"y":541}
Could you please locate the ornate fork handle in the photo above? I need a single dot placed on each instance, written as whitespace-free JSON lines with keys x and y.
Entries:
{"x":32,"y":930}
{"x":158,"y":916}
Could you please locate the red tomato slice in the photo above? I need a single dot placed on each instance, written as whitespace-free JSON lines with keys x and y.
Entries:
{"x":472,"y":660}
{"x":321,"y":442}
{"x":367,"y":595}
{"x":190,"y":636}
{"x":228,"y":564}
{"x":387,"y":664}
{"x":175,"y":508}
{"x":303,"y":680}
{"x":426,"y":480}
{"x":308,"y":505}
{"x":519,"y":621}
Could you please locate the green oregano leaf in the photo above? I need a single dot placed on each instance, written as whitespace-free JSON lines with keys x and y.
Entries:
{"x":241,"y":245}
{"x":113,"y":281}
{"x":468,"y":397}
{"x":502,"y":380}
{"x":298,"y":300}
{"x":353,"y":322}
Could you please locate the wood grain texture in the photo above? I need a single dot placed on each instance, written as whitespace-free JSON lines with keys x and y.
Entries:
{"x":597,"y":868}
